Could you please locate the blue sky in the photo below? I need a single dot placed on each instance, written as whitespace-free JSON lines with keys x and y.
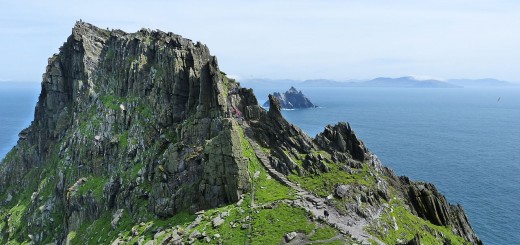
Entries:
{"x":290,"y":39}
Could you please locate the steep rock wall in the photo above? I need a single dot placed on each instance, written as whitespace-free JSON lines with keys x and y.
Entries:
{"x":139,"y":118}
{"x":140,"y":127}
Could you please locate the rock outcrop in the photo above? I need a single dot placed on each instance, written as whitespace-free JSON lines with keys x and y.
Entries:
{"x":292,"y":99}
{"x":341,"y":142}
{"x":431,"y":205}
{"x":138,"y":137}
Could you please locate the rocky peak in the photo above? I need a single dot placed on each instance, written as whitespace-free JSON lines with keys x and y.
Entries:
{"x":340,"y":140}
{"x":291,"y":99}
{"x":275,"y":107}
{"x":293,"y":90}
{"x":134,"y":131}
{"x":149,"y":101}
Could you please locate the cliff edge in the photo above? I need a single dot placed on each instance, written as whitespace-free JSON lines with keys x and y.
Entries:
{"x":140,"y":138}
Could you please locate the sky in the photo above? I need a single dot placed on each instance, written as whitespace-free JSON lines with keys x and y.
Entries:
{"x":300,"y":39}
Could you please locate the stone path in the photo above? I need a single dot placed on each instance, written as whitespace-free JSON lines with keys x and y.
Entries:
{"x":346,"y":224}
{"x":304,"y":239}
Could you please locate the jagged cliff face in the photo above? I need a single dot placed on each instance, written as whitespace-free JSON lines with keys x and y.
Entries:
{"x":148,"y":104}
{"x":133,"y":132}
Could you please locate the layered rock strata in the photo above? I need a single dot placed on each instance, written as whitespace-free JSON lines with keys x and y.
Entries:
{"x":133,"y":130}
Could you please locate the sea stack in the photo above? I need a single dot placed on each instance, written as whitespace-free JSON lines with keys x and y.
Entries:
{"x":292,"y":99}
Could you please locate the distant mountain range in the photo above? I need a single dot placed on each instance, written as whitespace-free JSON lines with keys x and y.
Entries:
{"x":486,"y":82}
{"x":383,"y":82}
{"x":406,"y":82}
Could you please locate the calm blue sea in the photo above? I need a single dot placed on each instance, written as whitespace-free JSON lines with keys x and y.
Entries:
{"x":464,"y":141}
{"x":17,"y":102}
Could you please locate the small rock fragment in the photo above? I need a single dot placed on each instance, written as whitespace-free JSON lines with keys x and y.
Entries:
{"x":217,"y":221}
{"x":289,"y":236}
{"x":116,"y":217}
{"x":196,"y":234}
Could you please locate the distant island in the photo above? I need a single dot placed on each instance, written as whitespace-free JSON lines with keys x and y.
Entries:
{"x":292,"y":99}
{"x":407,"y":82}
{"x":486,"y":82}
{"x":383,"y":82}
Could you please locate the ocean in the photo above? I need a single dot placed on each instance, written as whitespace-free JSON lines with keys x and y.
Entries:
{"x":17,"y":103}
{"x":465,"y":141}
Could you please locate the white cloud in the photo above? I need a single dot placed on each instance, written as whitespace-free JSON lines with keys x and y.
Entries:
{"x":426,"y":77}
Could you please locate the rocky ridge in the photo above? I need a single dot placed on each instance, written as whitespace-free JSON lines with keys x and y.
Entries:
{"x":139,"y":138}
{"x":292,"y":99}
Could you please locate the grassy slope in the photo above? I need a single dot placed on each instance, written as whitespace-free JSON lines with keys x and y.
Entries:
{"x":408,"y":225}
{"x":244,"y":223}
{"x":264,"y":226}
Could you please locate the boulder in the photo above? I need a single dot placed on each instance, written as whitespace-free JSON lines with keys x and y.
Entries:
{"x":290,"y":236}
{"x":217,"y":221}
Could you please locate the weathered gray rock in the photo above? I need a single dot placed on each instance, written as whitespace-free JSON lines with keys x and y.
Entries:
{"x":341,"y":142}
{"x":9,"y":198}
{"x":429,"y":204}
{"x":217,"y":221}
{"x":114,"y":101}
{"x":144,"y":126}
{"x":116,"y":217}
{"x":196,"y":235}
{"x":290,"y":236}
{"x":342,"y":190}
